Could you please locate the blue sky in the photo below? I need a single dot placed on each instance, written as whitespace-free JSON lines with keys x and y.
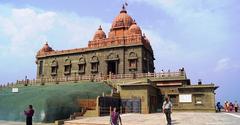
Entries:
{"x":200,"y":35}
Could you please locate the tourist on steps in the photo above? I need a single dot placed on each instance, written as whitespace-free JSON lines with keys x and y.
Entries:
{"x":167,"y":109}
{"x":29,"y":114}
{"x":115,"y":118}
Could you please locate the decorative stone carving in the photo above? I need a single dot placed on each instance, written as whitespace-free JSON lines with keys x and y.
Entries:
{"x":94,"y":59}
{"x":132,"y":55}
{"x":112,"y":57}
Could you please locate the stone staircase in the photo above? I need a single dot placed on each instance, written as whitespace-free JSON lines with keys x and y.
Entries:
{"x":90,"y":113}
{"x":111,"y":84}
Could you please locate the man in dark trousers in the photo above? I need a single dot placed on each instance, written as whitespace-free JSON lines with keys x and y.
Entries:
{"x":236,"y":106}
{"x":167,"y":109}
{"x":29,"y":114}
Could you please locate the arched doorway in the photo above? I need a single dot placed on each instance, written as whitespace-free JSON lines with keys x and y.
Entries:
{"x":112,"y":63}
{"x":112,"y":67}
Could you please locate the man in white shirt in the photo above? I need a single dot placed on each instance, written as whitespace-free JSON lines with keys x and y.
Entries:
{"x":167,"y":109}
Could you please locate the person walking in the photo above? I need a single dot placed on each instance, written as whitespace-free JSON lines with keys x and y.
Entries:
{"x":115,"y":118}
{"x":167,"y":109}
{"x":236,"y":106}
{"x":29,"y":114}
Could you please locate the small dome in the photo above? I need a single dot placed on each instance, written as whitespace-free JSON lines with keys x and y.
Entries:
{"x":99,"y":34}
{"x":135,"y":29}
{"x":122,"y":20}
{"x":45,"y":48}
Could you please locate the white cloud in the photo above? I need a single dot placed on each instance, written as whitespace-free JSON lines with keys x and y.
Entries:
{"x":193,"y":16}
{"x":223,"y":64}
{"x":226,"y":64}
{"x":166,"y":51}
{"x":23,"y":31}
{"x":161,"y":45}
{"x":27,"y":29}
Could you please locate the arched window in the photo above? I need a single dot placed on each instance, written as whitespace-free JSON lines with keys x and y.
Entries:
{"x":67,"y":67}
{"x":54,"y":68}
{"x":81,"y":65}
{"x":94,"y":64}
{"x":40,"y":70}
{"x":132,"y":61}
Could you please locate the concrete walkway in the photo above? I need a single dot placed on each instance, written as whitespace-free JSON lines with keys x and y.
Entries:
{"x":179,"y":118}
{"x":20,"y":123}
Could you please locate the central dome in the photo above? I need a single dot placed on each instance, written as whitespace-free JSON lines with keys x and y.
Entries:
{"x":122,"y":20}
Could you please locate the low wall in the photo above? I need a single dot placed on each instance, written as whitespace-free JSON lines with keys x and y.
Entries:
{"x":51,"y":102}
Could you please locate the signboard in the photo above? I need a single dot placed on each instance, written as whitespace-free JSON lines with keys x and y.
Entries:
{"x":14,"y":90}
{"x":185,"y":98}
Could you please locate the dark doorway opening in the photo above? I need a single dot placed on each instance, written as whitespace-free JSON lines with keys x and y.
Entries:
{"x":112,"y":67}
{"x":131,"y":105}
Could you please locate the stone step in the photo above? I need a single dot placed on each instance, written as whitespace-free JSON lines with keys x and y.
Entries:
{"x":72,"y":123}
{"x":90,"y":113}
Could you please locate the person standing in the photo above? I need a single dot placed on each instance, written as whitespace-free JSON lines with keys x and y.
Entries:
{"x":29,"y":114}
{"x":226,"y":106}
{"x":236,"y":106}
{"x":219,"y":107}
{"x":167,"y":109}
{"x":231,"y":106}
{"x":115,"y":118}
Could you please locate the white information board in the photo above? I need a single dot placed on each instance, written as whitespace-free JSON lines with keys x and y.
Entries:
{"x":14,"y":90}
{"x":185,"y":98}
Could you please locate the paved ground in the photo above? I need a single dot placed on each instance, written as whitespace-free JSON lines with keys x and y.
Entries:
{"x":20,"y":123}
{"x":179,"y":118}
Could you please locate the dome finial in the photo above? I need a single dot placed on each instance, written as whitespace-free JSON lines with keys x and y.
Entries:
{"x":100,"y":27}
{"x":123,"y":9}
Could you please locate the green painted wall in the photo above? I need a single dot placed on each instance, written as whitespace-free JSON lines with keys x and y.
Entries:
{"x":51,"y":102}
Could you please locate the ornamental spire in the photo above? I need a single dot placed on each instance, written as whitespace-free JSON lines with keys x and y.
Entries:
{"x":100,"y":27}
{"x":123,"y":9}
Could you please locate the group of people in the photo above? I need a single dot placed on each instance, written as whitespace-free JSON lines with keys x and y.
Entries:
{"x":115,"y":118}
{"x":228,"y":106}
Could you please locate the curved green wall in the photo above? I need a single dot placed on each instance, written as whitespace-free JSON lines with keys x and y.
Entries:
{"x":51,"y":102}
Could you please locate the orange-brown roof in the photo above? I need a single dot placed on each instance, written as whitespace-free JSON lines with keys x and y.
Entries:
{"x":99,"y":34}
{"x":124,"y":32}
{"x":122,"y":20}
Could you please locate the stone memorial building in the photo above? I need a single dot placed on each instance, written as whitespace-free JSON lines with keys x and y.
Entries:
{"x":125,"y":50}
